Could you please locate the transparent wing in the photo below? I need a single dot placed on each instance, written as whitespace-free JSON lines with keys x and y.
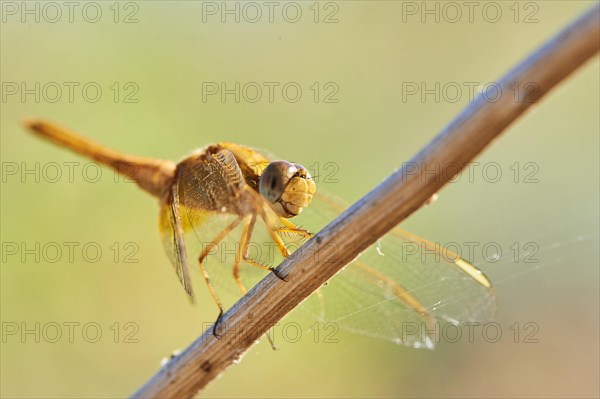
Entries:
{"x":400,"y":288}
{"x":172,"y":233}
{"x":203,"y":190}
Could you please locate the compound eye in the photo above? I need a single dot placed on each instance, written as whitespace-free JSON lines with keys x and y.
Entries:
{"x":275,"y":178}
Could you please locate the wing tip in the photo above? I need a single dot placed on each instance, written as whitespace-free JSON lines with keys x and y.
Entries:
{"x":474,"y":272}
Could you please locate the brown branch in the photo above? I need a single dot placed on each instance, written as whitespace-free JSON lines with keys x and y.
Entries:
{"x":376,"y":213}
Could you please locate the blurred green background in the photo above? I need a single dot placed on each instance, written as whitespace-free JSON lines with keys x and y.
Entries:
{"x":367,"y":57}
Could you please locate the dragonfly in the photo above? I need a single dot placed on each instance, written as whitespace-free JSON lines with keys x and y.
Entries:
{"x":227,"y":193}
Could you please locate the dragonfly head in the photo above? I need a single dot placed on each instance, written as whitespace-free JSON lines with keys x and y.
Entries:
{"x":287,"y":186}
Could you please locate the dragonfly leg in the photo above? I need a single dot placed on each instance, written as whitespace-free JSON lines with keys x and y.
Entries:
{"x":291,"y":228}
{"x":275,"y":237}
{"x":201,"y":259}
{"x":242,"y":254}
{"x":245,"y":249}
{"x":248,"y":225}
